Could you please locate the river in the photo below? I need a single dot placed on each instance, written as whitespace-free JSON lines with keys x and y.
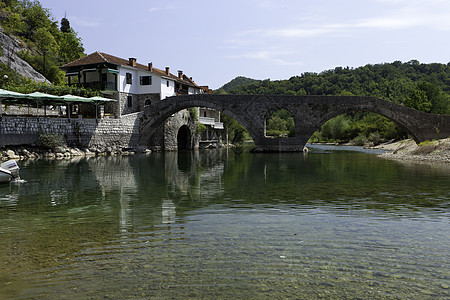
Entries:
{"x":333,"y":223}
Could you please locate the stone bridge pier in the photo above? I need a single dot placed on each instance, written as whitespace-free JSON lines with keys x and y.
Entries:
{"x":309,"y":113}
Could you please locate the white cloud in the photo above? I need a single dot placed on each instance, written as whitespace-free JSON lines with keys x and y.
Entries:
{"x":85,"y":22}
{"x":158,"y":8}
{"x":265,"y":4}
{"x":271,"y":56}
{"x":389,"y":17}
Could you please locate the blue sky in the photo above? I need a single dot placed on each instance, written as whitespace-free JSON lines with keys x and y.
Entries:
{"x":215,"y":41}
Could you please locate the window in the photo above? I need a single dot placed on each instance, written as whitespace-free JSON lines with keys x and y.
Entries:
{"x":129,"y":78}
{"x":146,"y":80}
{"x":167,"y":82}
{"x":130,"y":101}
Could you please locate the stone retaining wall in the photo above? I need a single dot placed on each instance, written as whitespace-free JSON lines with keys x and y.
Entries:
{"x":84,"y":133}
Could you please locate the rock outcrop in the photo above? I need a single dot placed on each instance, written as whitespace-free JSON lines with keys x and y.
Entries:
{"x":10,"y":47}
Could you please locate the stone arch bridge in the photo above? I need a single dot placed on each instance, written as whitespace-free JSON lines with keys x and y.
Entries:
{"x":309,"y":113}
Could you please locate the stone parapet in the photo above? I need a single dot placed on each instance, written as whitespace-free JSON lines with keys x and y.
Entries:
{"x":120,"y":132}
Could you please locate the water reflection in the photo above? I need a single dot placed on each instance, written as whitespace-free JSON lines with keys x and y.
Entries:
{"x":193,"y":179}
{"x":221,"y":223}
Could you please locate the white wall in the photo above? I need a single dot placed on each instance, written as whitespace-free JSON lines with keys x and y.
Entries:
{"x":123,"y":86}
{"x":192,"y":90}
{"x":167,"y":91}
{"x":154,"y":88}
{"x":158,"y":86}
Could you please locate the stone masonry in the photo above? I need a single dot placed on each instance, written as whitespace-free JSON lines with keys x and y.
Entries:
{"x":120,"y":133}
{"x":150,"y":127}
{"x":309,"y":112}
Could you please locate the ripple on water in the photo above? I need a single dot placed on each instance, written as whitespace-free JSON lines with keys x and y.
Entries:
{"x":273,"y":226}
{"x":225,"y":254}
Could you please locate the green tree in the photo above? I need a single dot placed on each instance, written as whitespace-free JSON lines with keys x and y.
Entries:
{"x":418,"y":99}
{"x":65,"y":25}
{"x":14,"y":24}
{"x":47,"y":46}
{"x":280,"y":123}
{"x":36,"y":17}
{"x":70,"y":47}
{"x":234,"y":132}
{"x":335,"y":129}
{"x":45,"y":42}
{"x":438,"y":101}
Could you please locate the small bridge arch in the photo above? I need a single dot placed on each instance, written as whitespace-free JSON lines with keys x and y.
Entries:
{"x":309,"y":112}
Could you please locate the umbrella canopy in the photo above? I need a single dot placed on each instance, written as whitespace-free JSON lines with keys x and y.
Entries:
{"x":5,"y":94}
{"x":73,"y":98}
{"x":38,"y":96}
{"x":102,"y":99}
{"x":10,"y":97}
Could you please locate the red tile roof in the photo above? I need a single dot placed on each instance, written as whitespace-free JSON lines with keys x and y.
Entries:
{"x":100,"y":57}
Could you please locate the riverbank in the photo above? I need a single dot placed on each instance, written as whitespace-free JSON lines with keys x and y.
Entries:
{"x":23,"y":152}
{"x":408,"y":150}
{"x":432,"y":151}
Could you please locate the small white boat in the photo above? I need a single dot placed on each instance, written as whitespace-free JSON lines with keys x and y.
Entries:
{"x":9,"y":170}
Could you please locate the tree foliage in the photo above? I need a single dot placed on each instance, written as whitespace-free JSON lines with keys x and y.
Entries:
{"x":425,"y":87}
{"x":65,"y":25}
{"x":48,"y":46}
{"x":389,"y":81}
{"x":234,"y":132}
{"x":28,"y":86}
{"x":280,"y":123}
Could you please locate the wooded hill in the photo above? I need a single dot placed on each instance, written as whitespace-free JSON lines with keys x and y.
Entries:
{"x":425,"y":87}
{"x":46,"y":43}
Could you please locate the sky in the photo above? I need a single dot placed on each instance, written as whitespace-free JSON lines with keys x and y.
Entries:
{"x":216,"y":41}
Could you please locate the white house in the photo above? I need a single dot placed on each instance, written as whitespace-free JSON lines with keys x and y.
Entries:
{"x":134,"y":85}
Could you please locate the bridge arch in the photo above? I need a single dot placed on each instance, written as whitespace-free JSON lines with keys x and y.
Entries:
{"x":375,"y":110}
{"x":273,"y":117}
{"x":309,"y":112}
{"x":184,"y":138}
{"x":156,"y":114}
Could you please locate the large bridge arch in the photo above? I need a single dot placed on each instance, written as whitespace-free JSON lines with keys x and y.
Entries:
{"x":309,"y":112}
{"x":382,"y":111}
{"x":155,"y":114}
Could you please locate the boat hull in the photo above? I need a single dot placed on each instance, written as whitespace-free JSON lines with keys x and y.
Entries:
{"x":9,"y":170}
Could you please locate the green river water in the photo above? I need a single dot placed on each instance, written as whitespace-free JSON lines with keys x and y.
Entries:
{"x":221,"y":225}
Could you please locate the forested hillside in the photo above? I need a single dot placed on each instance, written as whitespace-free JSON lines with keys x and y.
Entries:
{"x":238,"y":82}
{"x":47,"y":43}
{"x":425,"y":87}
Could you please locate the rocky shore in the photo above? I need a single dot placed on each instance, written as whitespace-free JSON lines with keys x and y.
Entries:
{"x":408,"y":150}
{"x":20,"y":153}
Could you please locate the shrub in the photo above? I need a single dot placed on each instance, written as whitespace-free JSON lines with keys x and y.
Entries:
{"x":193,"y":112}
{"x":360,"y":140}
{"x":375,"y":138}
{"x":50,"y":140}
{"x":201,"y":128}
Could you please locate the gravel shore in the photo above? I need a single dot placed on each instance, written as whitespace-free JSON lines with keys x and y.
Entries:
{"x":433,"y":151}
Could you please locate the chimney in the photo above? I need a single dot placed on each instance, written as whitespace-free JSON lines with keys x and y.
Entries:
{"x":167,"y":70}
{"x":180,"y":74}
{"x":150,"y":67}
{"x":132,"y":61}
